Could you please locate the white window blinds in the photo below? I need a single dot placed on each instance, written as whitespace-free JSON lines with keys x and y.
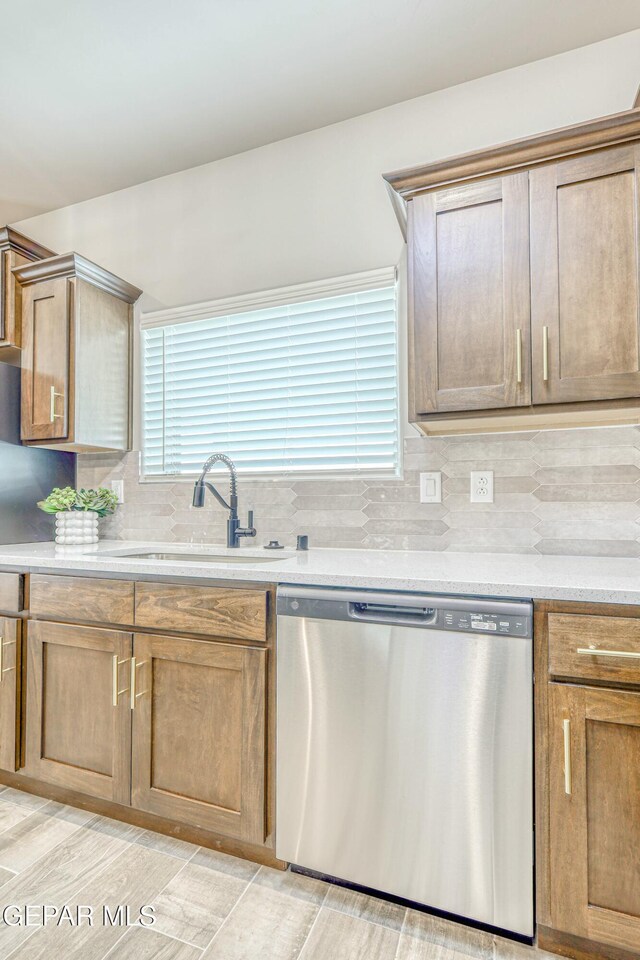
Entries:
{"x":302,"y":387}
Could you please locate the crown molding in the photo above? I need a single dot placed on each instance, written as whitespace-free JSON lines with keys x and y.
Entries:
{"x":73,"y":265}
{"x":619,"y":128}
{"x":10,"y":239}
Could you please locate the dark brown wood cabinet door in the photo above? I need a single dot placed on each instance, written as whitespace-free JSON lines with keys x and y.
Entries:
{"x":594,"y":824}
{"x":584,"y":278}
{"x":199,"y":734}
{"x":469,"y":297}
{"x":46,"y":334}
{"x":10,"y":686}
{"x":78,"y":709}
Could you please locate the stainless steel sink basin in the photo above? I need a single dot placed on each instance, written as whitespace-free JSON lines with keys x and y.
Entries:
{"x":197,"y":557}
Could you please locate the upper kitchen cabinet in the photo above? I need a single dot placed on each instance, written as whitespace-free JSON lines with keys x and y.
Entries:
{"x":469,"y":277}
{"x":523,"y":282}
{"x":76,"y":355}
{"x":16,"y":250}
{"x":584,"y":270}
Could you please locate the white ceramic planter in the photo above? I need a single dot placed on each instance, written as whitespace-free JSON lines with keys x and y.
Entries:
{"x":76,"y":527}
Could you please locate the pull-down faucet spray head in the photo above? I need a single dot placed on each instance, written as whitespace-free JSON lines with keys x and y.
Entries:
{"x":199,"y":491}
{"x":200,"y":487}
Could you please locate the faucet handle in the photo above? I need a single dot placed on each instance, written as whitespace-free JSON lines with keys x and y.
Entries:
{"x":250,"y":519}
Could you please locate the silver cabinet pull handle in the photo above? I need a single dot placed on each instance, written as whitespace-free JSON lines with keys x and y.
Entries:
{"x":519,"y":355}
{"x":566,"y":731}
{"x":630,"y":654}
{"x":52,"y":411}
{"x":545,"y":353}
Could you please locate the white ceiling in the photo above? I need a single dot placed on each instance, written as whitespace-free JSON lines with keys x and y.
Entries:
{"x":96,"y":96}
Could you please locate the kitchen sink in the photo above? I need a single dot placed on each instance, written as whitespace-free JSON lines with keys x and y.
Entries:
{"x":187,"y":557}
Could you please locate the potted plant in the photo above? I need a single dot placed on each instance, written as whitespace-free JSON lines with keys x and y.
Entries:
{"x":77,"y":512}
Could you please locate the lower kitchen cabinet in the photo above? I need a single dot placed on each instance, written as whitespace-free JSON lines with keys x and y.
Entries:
{"x":199,"y":729}
{"x":78,"y":729}
{"x":10,"y":686}
{"x":594,"y":813}
{"x":588,"y":779}
{"x":171,"y":733}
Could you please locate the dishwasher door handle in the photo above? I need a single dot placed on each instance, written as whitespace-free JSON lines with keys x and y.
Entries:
{"x":391,"y":613}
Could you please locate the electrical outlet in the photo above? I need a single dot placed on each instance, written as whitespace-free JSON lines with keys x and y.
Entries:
{"x":431,"y":487}
{"x":481,"y":486}
{"x":118,"y":488}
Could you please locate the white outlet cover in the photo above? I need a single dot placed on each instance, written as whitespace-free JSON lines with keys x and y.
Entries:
{"x":431,"y":487}
{"x":481,"y":486}
{"x":118,"y":488}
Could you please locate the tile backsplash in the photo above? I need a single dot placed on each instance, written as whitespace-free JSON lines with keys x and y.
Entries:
{"x":556,"y":492}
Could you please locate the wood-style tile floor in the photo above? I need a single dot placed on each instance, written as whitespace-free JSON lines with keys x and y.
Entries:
{"x":208,"y":906}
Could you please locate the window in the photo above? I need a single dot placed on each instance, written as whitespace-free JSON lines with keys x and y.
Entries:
{"x":301,"y":383}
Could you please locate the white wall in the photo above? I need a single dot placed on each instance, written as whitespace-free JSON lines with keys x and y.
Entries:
{"x":315,"y":206}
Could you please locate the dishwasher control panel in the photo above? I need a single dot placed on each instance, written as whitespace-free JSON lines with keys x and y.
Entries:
{"x":421,"y":611}
{"x":507,"y":624}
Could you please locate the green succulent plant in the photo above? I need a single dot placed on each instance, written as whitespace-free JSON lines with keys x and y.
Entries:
{"x":102,"y":501}
{"x":59,"y":501}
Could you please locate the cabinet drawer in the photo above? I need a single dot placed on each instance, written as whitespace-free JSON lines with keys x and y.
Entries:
{"x":594,"y":648}
{"x":11,"y":592}
{"x":81,"y":598}
{"x":214,"y":611}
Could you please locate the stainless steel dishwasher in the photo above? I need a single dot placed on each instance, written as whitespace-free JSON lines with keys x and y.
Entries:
{"x":405,"y":747}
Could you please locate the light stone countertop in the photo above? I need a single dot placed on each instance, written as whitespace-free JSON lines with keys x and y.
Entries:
{"x":596,"y":579}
